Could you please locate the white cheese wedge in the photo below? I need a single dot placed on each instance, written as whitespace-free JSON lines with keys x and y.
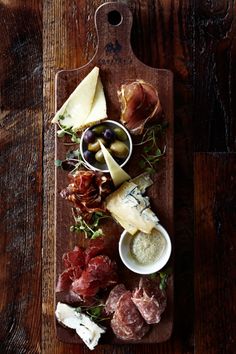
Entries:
{"x":129,"y":207}
{"x":88,"y":330}
{"x":118,"y":175}
{"x":85,"y":106}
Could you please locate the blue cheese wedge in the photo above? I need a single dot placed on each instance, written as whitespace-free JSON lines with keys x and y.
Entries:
{"x":86,"y":329}
{"x":117,"y":173}
{"x":85,"y":106}
{"x":131,"y":209}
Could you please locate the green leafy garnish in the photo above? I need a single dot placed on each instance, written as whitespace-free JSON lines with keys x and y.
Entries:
{"x":151,"y":151}
{"x":58,"y":163}
{"x":164,"y":274}
{"x":65,"y":130}
{"x":94,"y":312}
{"x":91,"y":229}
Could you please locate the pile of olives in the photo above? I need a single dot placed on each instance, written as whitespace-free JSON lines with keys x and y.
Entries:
{"x":114,"y":138}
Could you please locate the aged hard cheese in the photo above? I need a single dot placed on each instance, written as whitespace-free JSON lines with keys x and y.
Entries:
{"x":85,"y":106}
{"x":88,"y":330}
{"x":118,"y":175}
{"x":130,"y":208}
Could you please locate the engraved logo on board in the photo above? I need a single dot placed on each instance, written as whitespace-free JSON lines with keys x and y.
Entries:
{"x":113,"y":50}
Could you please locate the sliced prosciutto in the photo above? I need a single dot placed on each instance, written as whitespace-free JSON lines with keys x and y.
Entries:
{"x":150,"y":300}
{"x":87,"y":191}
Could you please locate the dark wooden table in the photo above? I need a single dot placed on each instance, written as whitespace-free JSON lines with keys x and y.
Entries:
{"x":197,"y":41}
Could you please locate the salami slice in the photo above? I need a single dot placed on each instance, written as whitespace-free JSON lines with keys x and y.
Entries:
{"x":150,"y":300}
{"x":127,"y":323}
{"x":113,"y":298}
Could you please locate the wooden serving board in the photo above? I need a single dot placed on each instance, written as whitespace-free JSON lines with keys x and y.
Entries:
{"x":117,"y":63}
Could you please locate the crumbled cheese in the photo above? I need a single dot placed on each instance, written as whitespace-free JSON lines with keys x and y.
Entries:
{"x":88,"y":330}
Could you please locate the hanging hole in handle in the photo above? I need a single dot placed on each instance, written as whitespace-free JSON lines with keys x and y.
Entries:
{"x":114,"y":18}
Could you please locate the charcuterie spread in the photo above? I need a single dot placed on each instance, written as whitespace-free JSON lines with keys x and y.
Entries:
{"x":98,"y":189}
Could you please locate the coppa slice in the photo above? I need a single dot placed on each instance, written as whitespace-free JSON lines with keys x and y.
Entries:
{"x":85,"y":106}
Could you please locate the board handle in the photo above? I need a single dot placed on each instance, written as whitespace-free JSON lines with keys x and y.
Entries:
{"x":113,"y":22}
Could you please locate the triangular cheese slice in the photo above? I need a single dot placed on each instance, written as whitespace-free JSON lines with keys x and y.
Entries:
{"x":118,"y":175}
{"x":85,"y":102}
{"x":98,"y":110}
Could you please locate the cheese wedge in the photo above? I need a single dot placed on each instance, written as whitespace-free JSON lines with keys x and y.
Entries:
{"x":85,"y":106}
{"x":131,"y":209}
{"x":143,"y":181}
{"x":118,"y":175}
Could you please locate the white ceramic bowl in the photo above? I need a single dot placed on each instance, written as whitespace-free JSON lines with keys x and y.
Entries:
{"x":130,"y":262}
{"x":103,"y":167}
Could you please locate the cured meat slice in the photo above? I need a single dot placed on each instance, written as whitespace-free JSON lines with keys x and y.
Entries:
{"x":87,"y":190}
{"x":127,"y":323}
{"x":123,"y":332}
{"x":113,"y":298}
{"x":99,"y":274}
{"x":74,"y":258}
{"x":66,"y":278}
{"x":150,"y":300}
{"x":95,"y":248}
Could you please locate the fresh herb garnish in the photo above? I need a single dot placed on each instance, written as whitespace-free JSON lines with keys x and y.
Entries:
{"x":91,"y":229}
{"x":72,"y":162}
{"x":151,"y":151}
{"x":58,"y":163}
{"x":67,"y":131}
{"x":164,"y":274}
{"x":94,"y":312}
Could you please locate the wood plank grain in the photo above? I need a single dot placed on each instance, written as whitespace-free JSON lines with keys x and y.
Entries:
{"x":215,"y":242}
{"x":214,"y":75}
{"x":21,"y":176}
{"x":71,"y":28}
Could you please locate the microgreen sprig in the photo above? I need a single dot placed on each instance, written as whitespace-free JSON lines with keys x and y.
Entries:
{"x":91,"y":229}
{"x":94,"y":312}
{"x":67,"y":131}
{"x":151,"y":151}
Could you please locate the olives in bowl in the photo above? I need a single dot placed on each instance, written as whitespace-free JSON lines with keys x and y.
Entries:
{"x":114,"y":136}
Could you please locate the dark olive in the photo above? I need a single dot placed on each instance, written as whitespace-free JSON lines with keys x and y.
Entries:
{"x":89,"y":137}
{"x":89,"y":156}
{"x":109,"y":135}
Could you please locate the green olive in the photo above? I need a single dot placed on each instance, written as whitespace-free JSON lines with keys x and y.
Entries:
{"x":120,"y":134}
{"x":119,"y":149}
{"x":96,"y":146}
{"x":99,"y":129}
{"x":99,"y":156}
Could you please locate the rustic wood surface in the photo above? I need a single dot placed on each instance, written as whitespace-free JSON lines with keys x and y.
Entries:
{"x":197,"y":41}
